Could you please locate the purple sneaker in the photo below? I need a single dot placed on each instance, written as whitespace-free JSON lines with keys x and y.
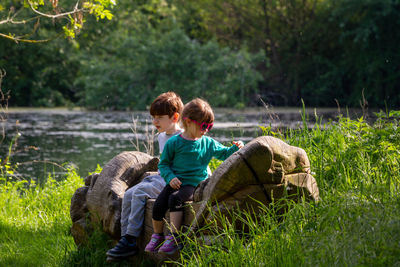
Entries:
{"x":154,"y":243}
{"x":170,"y":245}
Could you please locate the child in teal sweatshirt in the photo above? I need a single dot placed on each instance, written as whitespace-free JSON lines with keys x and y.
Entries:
{"x":183,"y":165}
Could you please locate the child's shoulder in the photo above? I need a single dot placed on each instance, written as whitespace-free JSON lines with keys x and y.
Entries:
{"x":174,"y":138}
{"x":208,"y":139}
{"x":164,"y":135}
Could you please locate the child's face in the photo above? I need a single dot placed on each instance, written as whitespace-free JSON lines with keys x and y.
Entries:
{"x":194,"y":129}
{"x":164,"y":123}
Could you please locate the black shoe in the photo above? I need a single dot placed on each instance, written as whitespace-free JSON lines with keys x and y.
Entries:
{"x":123,"y":249}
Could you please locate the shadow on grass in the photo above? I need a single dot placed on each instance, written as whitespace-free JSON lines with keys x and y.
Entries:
{"x":94,"y":254}
{"x":54,"y":246}
{"x":23,"y":245}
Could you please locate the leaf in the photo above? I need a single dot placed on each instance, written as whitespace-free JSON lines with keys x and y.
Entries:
{"x":394,"y":113}
{"x":106,"y":14}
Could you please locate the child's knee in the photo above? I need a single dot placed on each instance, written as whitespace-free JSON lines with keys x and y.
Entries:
{"x":141,"y":190}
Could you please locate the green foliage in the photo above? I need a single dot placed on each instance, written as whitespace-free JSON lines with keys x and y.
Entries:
{"x":93,"y":254}
{"x":354,"y":48}
{"x":353,"y":153}
{"x":20,"y":20}
{"x":317,"y":50}
{"x":35,"y":71}
{"x":7,"y":167}
{"x":356,"y":165}
{"x":136,"y":69}
{"x":214,"y":163}
{"x":340,"y":230}
{"x":35,"y":222}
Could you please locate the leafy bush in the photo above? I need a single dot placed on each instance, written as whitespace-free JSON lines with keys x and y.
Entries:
{"x":351,"y":48}
{"x":138,"y":68}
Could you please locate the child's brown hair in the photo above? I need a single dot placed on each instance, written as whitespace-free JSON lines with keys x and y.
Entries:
{"x":198,"y":110}
{"x":167,"y":103}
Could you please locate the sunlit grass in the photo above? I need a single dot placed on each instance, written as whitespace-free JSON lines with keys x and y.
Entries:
{"x":35,"y":222}
{"x":357,"y":222}
{"x":340,"y":231}
{"x":356,"y":165}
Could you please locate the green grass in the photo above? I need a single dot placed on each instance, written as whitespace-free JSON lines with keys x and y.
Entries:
{"x":35,"y":222}
{"x":338,"y":232}
{"x":357,"y":222}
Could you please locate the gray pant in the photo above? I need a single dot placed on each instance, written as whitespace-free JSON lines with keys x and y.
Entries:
{"x":132,"y":215}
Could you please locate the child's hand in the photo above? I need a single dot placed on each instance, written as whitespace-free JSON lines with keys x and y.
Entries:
{"x":239,"y":144}
{"x":175,"y":183}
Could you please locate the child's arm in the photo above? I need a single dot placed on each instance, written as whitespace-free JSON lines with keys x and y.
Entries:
{"x":222,"y":152}
{"x":239,"y":144}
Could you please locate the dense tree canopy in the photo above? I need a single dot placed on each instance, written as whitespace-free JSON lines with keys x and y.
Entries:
{"x":230,"y":52}
{"x":21,"y":21}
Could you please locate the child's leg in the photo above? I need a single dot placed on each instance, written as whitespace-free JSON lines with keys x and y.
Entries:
{"x":150,"y":187}
{"x":126,"y":246}
{"x":158,"y":226}
{"x":126,"y":209}
{"x":176,"y":202}
{"x":132,"y":214}
{"x":159,"y":209}
{"x":175,"y":220}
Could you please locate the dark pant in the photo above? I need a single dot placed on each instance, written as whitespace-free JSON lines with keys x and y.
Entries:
{"x":171,"y":199}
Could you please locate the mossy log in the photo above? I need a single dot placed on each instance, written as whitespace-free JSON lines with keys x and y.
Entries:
{"x":265,"y":170}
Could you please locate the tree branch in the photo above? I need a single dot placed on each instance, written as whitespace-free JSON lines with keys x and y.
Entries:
{"x":76,"y":10}
{"x":72,"y":24}
{"x":10,"y":19}
{"x":19,"y":39}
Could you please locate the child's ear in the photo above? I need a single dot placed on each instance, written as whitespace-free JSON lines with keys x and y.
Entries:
{"x":175,"y":117}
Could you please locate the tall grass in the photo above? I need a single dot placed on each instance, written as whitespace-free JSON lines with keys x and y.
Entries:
{"x":357,"y":222}
{"x":35,"y":221}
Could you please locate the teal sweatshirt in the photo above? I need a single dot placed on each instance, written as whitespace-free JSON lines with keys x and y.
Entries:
{"x":188,"y":159}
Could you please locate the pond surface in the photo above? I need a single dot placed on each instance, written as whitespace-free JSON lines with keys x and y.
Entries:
{"x":52,"y":138}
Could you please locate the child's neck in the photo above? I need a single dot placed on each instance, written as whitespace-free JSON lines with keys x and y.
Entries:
{"x":186,"y":135}
{"x":173,"y":129}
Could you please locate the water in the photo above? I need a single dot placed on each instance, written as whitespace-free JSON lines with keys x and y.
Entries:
{"x":51,"y":139}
